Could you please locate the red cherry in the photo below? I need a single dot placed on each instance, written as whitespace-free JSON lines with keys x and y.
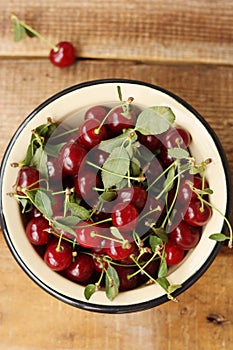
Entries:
{"x":126,"y":283}
{"x":54,"y":169}
{"x":124,"y":217}
{"x":36,"y":231}
{"x":135,"y":195}
{"x":89,"y":133}
{"x":71,"y":157}
{"x":116,"y":251}
{"x":97,"y":156}
{"x":27,"y":178}
{"x":99,"y":263}
{"x":96,"y":112}
{"x":174,"y":254}
{"x":185,"y":236}
{"x":58,"y":256}
{"x":64,"y":55}
{"x":84,"y":234}
{"x":185,"y":191}
{"x":84,"y":183}
{"x":176,"y":137}
{"x":81,"y":269}
{"x":149,"y":141}
{"x":117,"y":122}
{"x":196,"y":214}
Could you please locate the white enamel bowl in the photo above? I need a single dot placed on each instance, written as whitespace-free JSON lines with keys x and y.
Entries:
{"x":204,"y":145}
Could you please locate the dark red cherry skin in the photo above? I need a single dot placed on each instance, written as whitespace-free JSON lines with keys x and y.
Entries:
{"x":116,"y":251}
{"x":99,"y":263}
{"x":36,"y":231}
{"x":97,"y":156}
{"x":71,"y":157}
{"x":149,"y":141}
{"x":58,"y":258}
{"x":153,"y":208}
{"x":84,"y":184}
{"x":195,"y":216}
{"x":151,"y":269}
{"x":185,"y":191}
{"x":34,"y":213}
{"x":126,"y":283}
{"x":27,"y":177}
{"x":135,"y":195}
{"x":117,"y":122}
{"x":176,"y":137}
{"x":153,"y":171}
{"x":84,"y":234}
{"x":54,"y":169}
{"x":81,"y":269}
{"x":185,"y":236}
{"x":174,"y":254}
{"x":96,"y":112}
{"x":89,"y":133}
{"x":64,"y":55}
{"x":124,"y":217}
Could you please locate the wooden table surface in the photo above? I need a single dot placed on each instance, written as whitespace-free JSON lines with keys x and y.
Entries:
{"x":185,"y":46}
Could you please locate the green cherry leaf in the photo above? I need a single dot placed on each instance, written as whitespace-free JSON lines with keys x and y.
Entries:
{"x":155,"y":120}
{"x":107,"y":196}
{"x":154,"y":242}
{"x":219,"y":237}
{"x":89,"y":290}
{"x":60,"y":226}
{"x":18,"y":31}
{"x":115,"y":167}
{"x":162,"y":269}
{"x":116,"y":233}
{"x":112,"y":283}
{"x":163,"y":282}
{"x":29,"y":33}
{"x":173,"y":287}
{"x":178,"y":153}
{"x":70,"y":221}
{"x":161,"y":233}
{"x":43,"y":202}
{"x":79,"y":211}
{"x":169,"y":182}
{"x":111,"y":144}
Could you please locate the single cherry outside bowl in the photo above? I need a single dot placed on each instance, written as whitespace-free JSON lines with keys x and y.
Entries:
{"x":205,"y":144}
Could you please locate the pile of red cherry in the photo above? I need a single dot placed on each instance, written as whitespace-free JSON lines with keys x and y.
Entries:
{"x":118,"y":222}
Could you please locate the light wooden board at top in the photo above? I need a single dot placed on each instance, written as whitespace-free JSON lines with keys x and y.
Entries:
{"x":149,"y":30}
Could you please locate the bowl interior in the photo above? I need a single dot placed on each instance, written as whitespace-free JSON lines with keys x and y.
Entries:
{"x":69,"y":103}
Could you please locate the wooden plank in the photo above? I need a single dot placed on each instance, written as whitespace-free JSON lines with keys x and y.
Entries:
{"x":154,"y":30}
{"x":30,"y":319}
{"x":207,"y":88}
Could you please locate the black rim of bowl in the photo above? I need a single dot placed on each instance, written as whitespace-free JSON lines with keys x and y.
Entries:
{"x":116,"y":309}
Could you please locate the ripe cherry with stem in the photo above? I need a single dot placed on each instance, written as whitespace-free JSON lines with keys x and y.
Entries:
{"x":61,"y":54}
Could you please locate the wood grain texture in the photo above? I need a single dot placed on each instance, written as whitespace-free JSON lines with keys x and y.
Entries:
{"x":207,"y":88}
{"x":154,"y":30}
{"x":30,"y":319}
{"x":185,"y":46}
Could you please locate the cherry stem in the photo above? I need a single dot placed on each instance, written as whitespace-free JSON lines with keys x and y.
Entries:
{"x":162,"y":174}
{"x":34,"y":32}
{"x":139,"y":179}
{"x":230,"y":243}
{"x":175,"y":197}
